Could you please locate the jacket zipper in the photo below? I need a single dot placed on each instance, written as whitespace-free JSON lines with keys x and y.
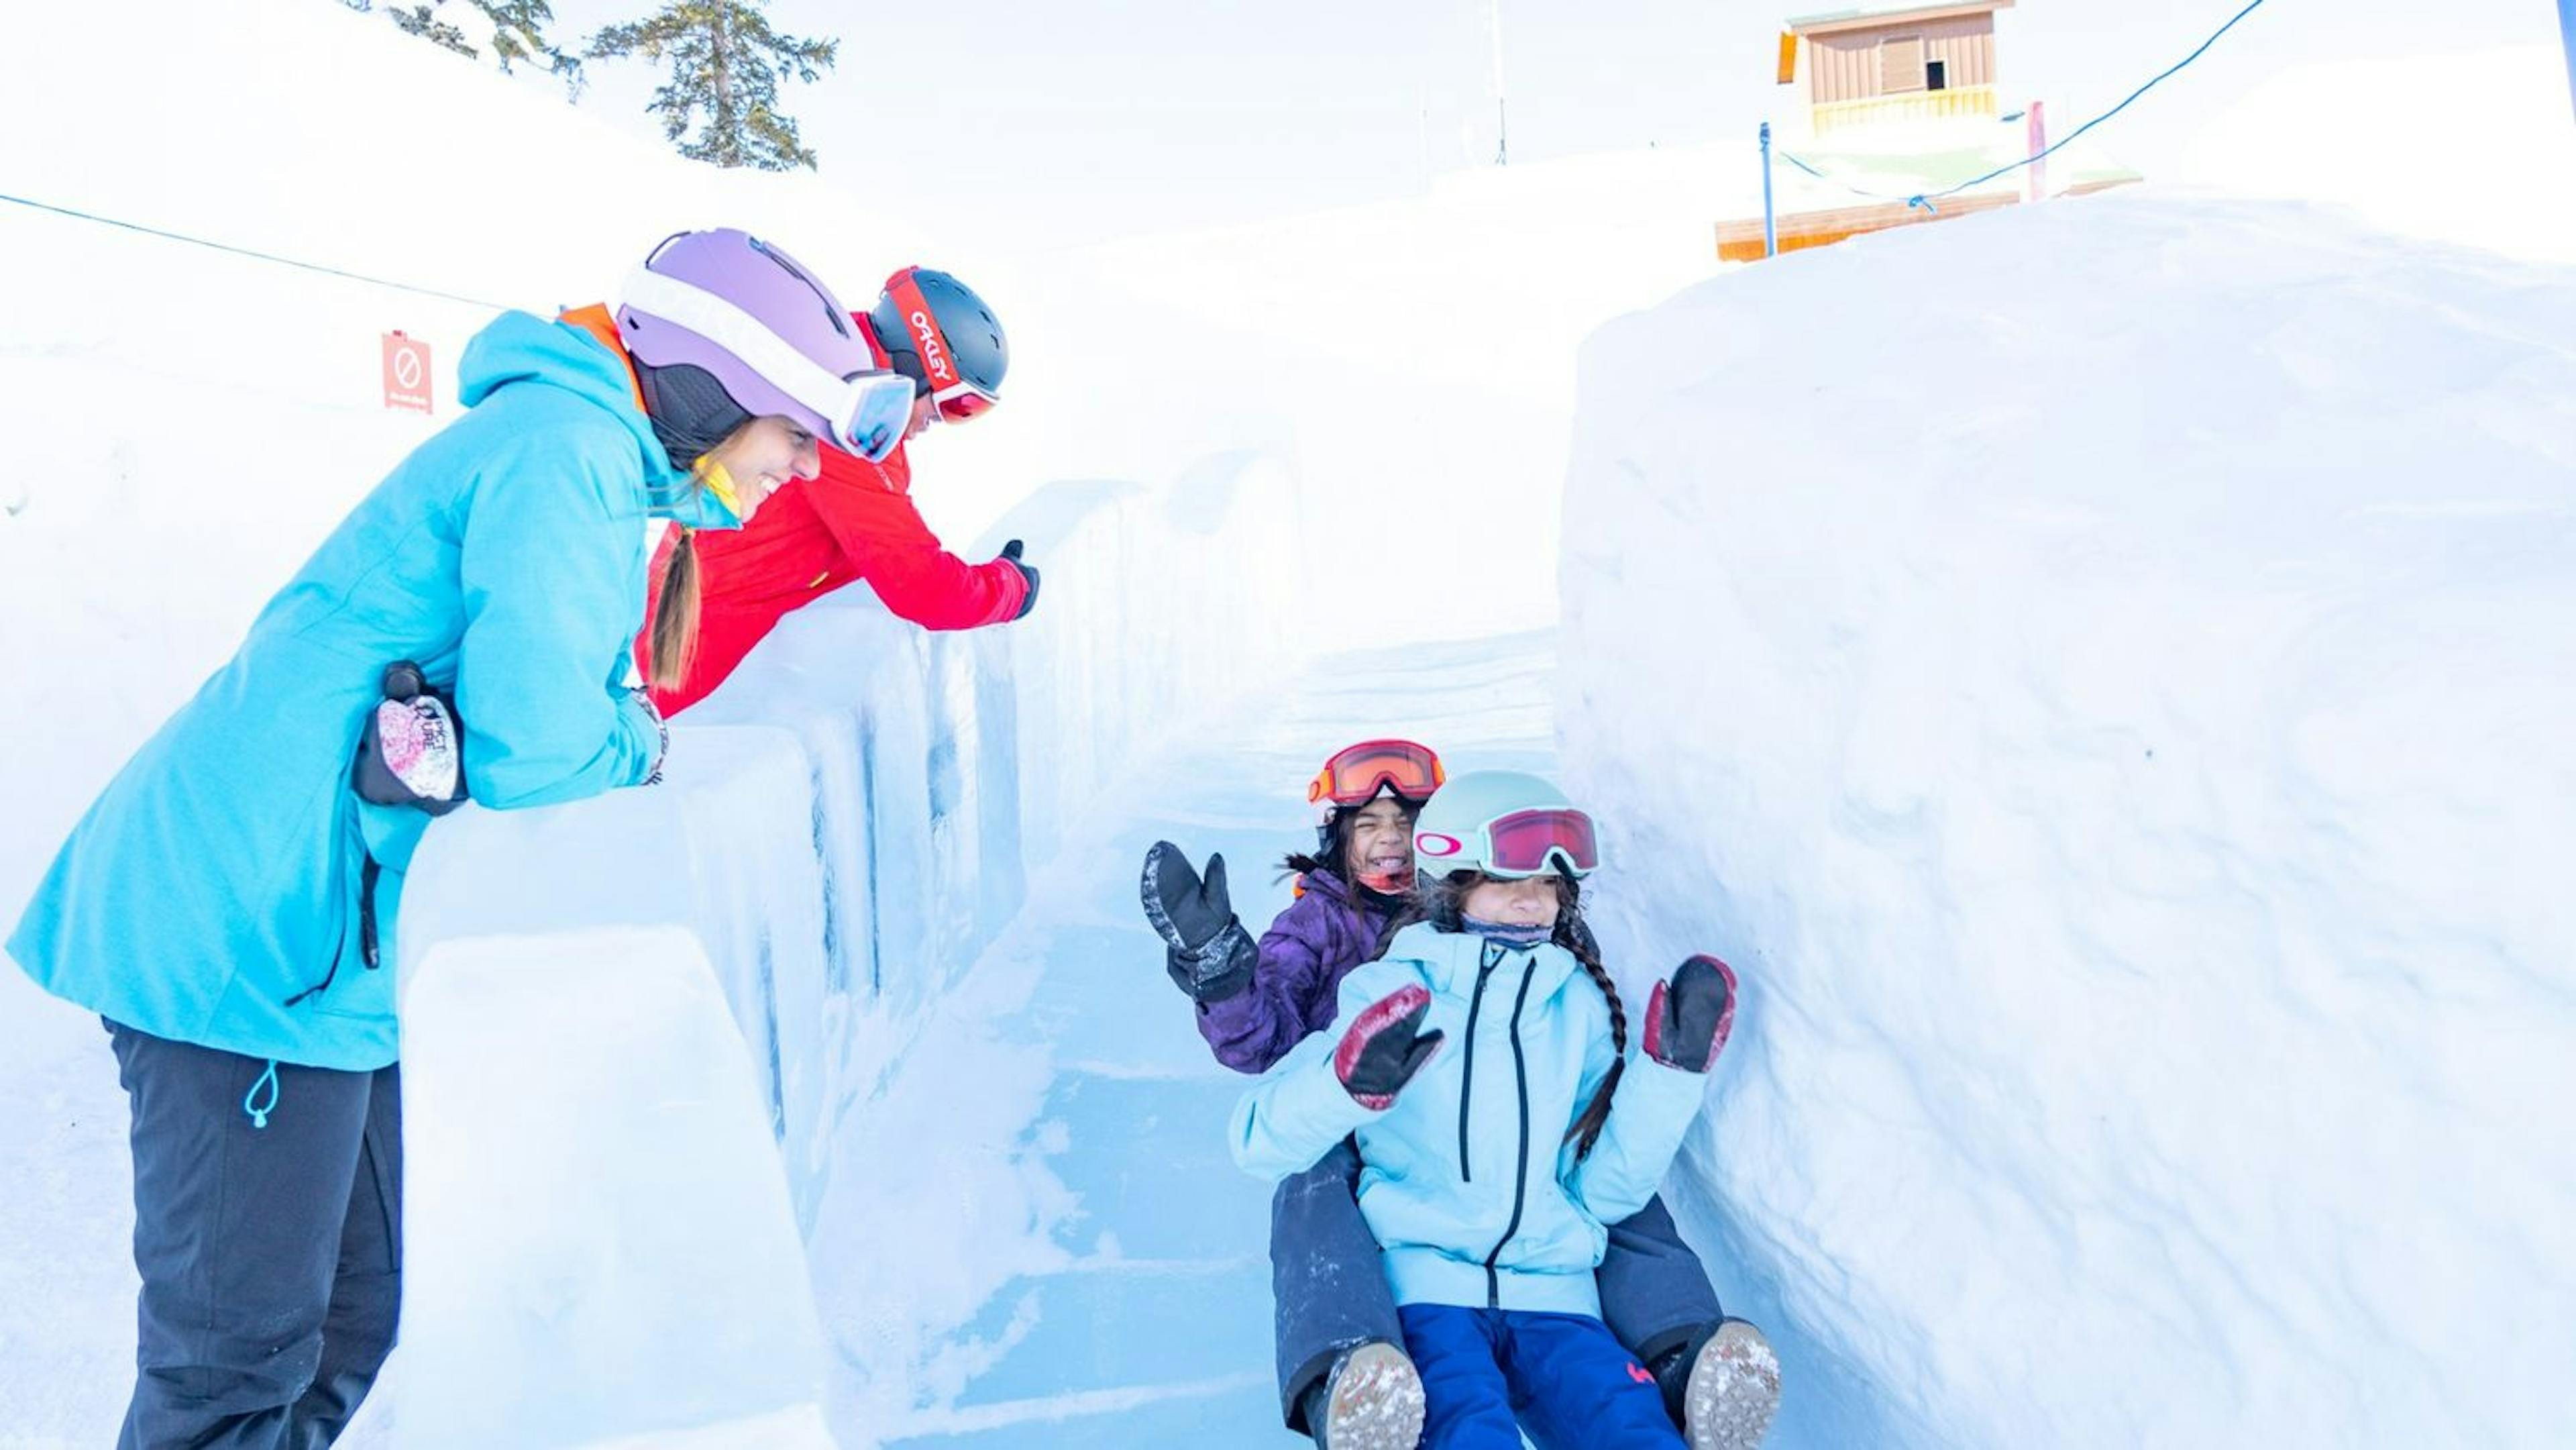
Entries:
{"x":1520,"y":1183}
{"x":1467,"y":1073}
{"x":323,"y":985}
{"x":367,"y":875}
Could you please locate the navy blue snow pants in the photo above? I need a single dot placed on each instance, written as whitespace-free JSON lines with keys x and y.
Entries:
{"x":1327,"y":1276}
{"x":1328,"y":1280}
{"x":1489,"y":1374}
{"x":271,"y":1255}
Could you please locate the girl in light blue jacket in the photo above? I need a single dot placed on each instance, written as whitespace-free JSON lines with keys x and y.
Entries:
{"x":229,"y":901}
{"x":1482,"y":1066}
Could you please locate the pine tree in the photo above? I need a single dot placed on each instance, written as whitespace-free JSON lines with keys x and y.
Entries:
{"x":423,"y":21}
{"x":519,"y":33}
{"x":724,"y":62}
{"x":517,"y":29}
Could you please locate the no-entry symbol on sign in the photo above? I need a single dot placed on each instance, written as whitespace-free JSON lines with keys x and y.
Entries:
{"x":406,"y":373}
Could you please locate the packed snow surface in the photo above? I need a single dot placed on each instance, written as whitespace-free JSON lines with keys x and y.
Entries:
{"x":598,"y":1238}
{"x":2113,"y":712}
{"x":2100,"y":673}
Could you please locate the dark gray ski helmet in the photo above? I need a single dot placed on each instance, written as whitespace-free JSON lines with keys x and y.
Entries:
{"x":938,"y":333}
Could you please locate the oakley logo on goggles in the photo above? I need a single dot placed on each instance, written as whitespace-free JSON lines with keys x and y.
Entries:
{"x":865,"y":412}
{"x":953,"y":398}
{"x":1355,"y":775}
{"x":1526,"y":843}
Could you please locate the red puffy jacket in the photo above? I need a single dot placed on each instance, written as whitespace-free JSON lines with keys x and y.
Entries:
{"x":855,"y":521}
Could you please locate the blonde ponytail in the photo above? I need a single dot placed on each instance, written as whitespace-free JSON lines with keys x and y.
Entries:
{"x":673,"y":644}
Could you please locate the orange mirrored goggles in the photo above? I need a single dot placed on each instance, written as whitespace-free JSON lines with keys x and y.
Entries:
{"x":963,"y":401}
{"x":1357,"y":773}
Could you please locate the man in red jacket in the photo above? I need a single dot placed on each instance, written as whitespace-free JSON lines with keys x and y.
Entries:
{"x":857,"y":520}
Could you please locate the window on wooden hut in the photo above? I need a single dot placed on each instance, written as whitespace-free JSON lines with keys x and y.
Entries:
{"x":1900,"y":64}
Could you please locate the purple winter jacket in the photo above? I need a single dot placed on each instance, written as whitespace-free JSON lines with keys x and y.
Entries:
{"x":1304,"y":956}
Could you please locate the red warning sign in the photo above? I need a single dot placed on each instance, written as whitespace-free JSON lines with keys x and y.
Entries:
{"x":406,"y":373}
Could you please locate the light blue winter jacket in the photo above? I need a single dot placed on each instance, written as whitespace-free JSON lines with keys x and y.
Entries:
{"x":1468,"y":1181}
{"x":215,"y":881}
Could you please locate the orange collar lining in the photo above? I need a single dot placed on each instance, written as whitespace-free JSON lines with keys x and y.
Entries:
{"x":597,"y":321}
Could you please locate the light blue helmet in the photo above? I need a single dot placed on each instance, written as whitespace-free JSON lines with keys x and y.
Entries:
{"x":1503,"y":823}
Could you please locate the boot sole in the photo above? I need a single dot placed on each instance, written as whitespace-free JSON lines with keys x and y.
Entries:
{"x":1734,"y":1390}
{"x":1377,"y":1402}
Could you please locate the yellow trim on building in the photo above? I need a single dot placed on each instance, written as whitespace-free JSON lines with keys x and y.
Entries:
{"x":1959,"y":101}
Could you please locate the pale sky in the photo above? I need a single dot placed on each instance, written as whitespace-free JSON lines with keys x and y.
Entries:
{"x":1059,"y":121}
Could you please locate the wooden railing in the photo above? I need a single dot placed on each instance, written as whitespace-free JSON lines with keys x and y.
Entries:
{"x":1961,"y":101}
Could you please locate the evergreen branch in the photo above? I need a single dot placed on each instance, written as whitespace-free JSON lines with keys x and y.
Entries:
{"x":722,"y":61}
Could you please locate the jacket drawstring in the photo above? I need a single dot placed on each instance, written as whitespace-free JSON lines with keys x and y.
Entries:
{"x":250,"y":1101}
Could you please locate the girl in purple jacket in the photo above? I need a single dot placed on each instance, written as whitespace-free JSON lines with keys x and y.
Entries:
{"x":1344,"y":1377}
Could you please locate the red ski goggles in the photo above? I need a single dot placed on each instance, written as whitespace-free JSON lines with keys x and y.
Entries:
{"x":1524,"y":843}
{"x":1357,"y":773}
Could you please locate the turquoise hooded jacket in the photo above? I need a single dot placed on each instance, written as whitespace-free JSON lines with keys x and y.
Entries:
{"x":210,"y":895}
{"x":1467,"y":1179}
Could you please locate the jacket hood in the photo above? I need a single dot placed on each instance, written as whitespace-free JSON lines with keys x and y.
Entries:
{"x":1451,"y":959}
{"x":519,"y":349}
{"x":1327,"y":883}
{"x":1370,"y":915}
{"x":894,"y":475}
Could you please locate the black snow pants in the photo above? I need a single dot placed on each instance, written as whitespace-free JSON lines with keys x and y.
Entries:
{"x":1328,"y":1280}
{"x":268,"y":1231}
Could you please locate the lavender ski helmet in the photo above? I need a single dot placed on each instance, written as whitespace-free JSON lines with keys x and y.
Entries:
{"x":755,"y":322}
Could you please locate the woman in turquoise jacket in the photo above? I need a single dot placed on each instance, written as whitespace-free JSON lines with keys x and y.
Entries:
{"x":229,"y":902}
{"x":1491,"y":1171}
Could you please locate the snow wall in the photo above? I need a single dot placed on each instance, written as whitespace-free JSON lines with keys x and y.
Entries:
{"x":842,"y":828}
{"x":2114,"y":714}
{"x":835,"y":852}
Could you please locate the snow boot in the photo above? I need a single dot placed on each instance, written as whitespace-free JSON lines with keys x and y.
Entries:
{"x":1371,"y":1401}
{"x":1723,"y":1387}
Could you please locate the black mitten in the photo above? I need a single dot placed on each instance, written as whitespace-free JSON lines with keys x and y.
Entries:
{"x":1384,"y":1049}
{"x":1210,"y":955}
{"x":662,"y":751}
{"x":411,"y":746}
{"x":1688,"y":1018}
{"x":1028,"y":571}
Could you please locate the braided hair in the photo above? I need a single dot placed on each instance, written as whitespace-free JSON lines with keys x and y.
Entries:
{"x":1576,"y":938}
{"x":1437,"y":900}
